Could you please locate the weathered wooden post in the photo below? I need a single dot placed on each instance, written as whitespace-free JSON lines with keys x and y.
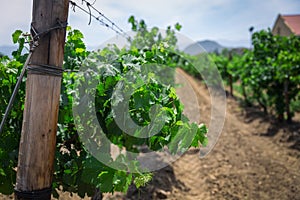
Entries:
{"x":37,"y":145}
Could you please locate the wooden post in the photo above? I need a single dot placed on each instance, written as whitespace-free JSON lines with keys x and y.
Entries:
{"x":230,"y":76}
{"x":38,"y":139}
{"x":287,"y":100}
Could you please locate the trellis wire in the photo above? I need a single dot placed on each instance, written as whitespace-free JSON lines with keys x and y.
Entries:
{"x":100,"y":17}
{"x":35,"y":36}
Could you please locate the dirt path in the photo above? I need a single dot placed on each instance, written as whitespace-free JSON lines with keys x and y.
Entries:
{"x":244,"y":164}
{"x":253,"y":159}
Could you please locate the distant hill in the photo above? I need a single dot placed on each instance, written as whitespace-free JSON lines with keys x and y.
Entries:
{"x":211,"y":46}
{"x":207,"y":45}
{"x":193,"y":49}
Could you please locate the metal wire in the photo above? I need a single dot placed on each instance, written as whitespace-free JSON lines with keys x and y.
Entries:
{"x":14,"y":94}
{"x":100,"y":17}
{"x":44,"y":70}
{"x":35,"y":36}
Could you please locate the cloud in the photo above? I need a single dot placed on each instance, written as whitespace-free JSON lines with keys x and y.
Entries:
{"x":14,"y":14}
{"x":201,"y":19}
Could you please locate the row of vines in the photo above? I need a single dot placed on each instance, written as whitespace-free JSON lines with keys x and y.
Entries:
{"x":267,"y":75}
{"x":75,"y":169}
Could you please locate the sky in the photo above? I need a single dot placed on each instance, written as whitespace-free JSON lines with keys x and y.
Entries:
{"x":225,"y":21}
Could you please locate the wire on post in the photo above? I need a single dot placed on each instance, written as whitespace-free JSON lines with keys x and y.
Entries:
{"x":40,"y":69}
{"x":100,"y":17}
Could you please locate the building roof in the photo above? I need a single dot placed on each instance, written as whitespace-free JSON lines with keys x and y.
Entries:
{"x":293,"y":22}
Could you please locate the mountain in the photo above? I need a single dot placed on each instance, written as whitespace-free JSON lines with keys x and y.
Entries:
{"x":211,"y":46}
{"x":202,"y":46}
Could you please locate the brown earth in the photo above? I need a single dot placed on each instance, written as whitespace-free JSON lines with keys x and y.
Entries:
{"x":255,"y":158}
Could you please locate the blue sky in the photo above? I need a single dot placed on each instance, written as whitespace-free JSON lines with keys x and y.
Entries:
{"x":226,"y":21}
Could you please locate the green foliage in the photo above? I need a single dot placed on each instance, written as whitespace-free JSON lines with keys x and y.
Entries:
{"x":75,"y":49}
{"x":269,"y":74}
{"x":9,"y":143}
{"x":141,"y":179}
{"x":228,"y":63}
{"x":75,"y":169}
{"x":146,"y":39}
{"x":20,"y":38}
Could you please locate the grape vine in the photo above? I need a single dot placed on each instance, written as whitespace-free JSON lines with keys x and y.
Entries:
{"x":268,"y":74}
{"x":76,"y":170}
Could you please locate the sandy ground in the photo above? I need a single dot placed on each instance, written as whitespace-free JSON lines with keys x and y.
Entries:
{"x":255,"y":158}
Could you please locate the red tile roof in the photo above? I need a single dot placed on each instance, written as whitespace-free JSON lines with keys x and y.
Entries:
{"x":293,"y":22}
